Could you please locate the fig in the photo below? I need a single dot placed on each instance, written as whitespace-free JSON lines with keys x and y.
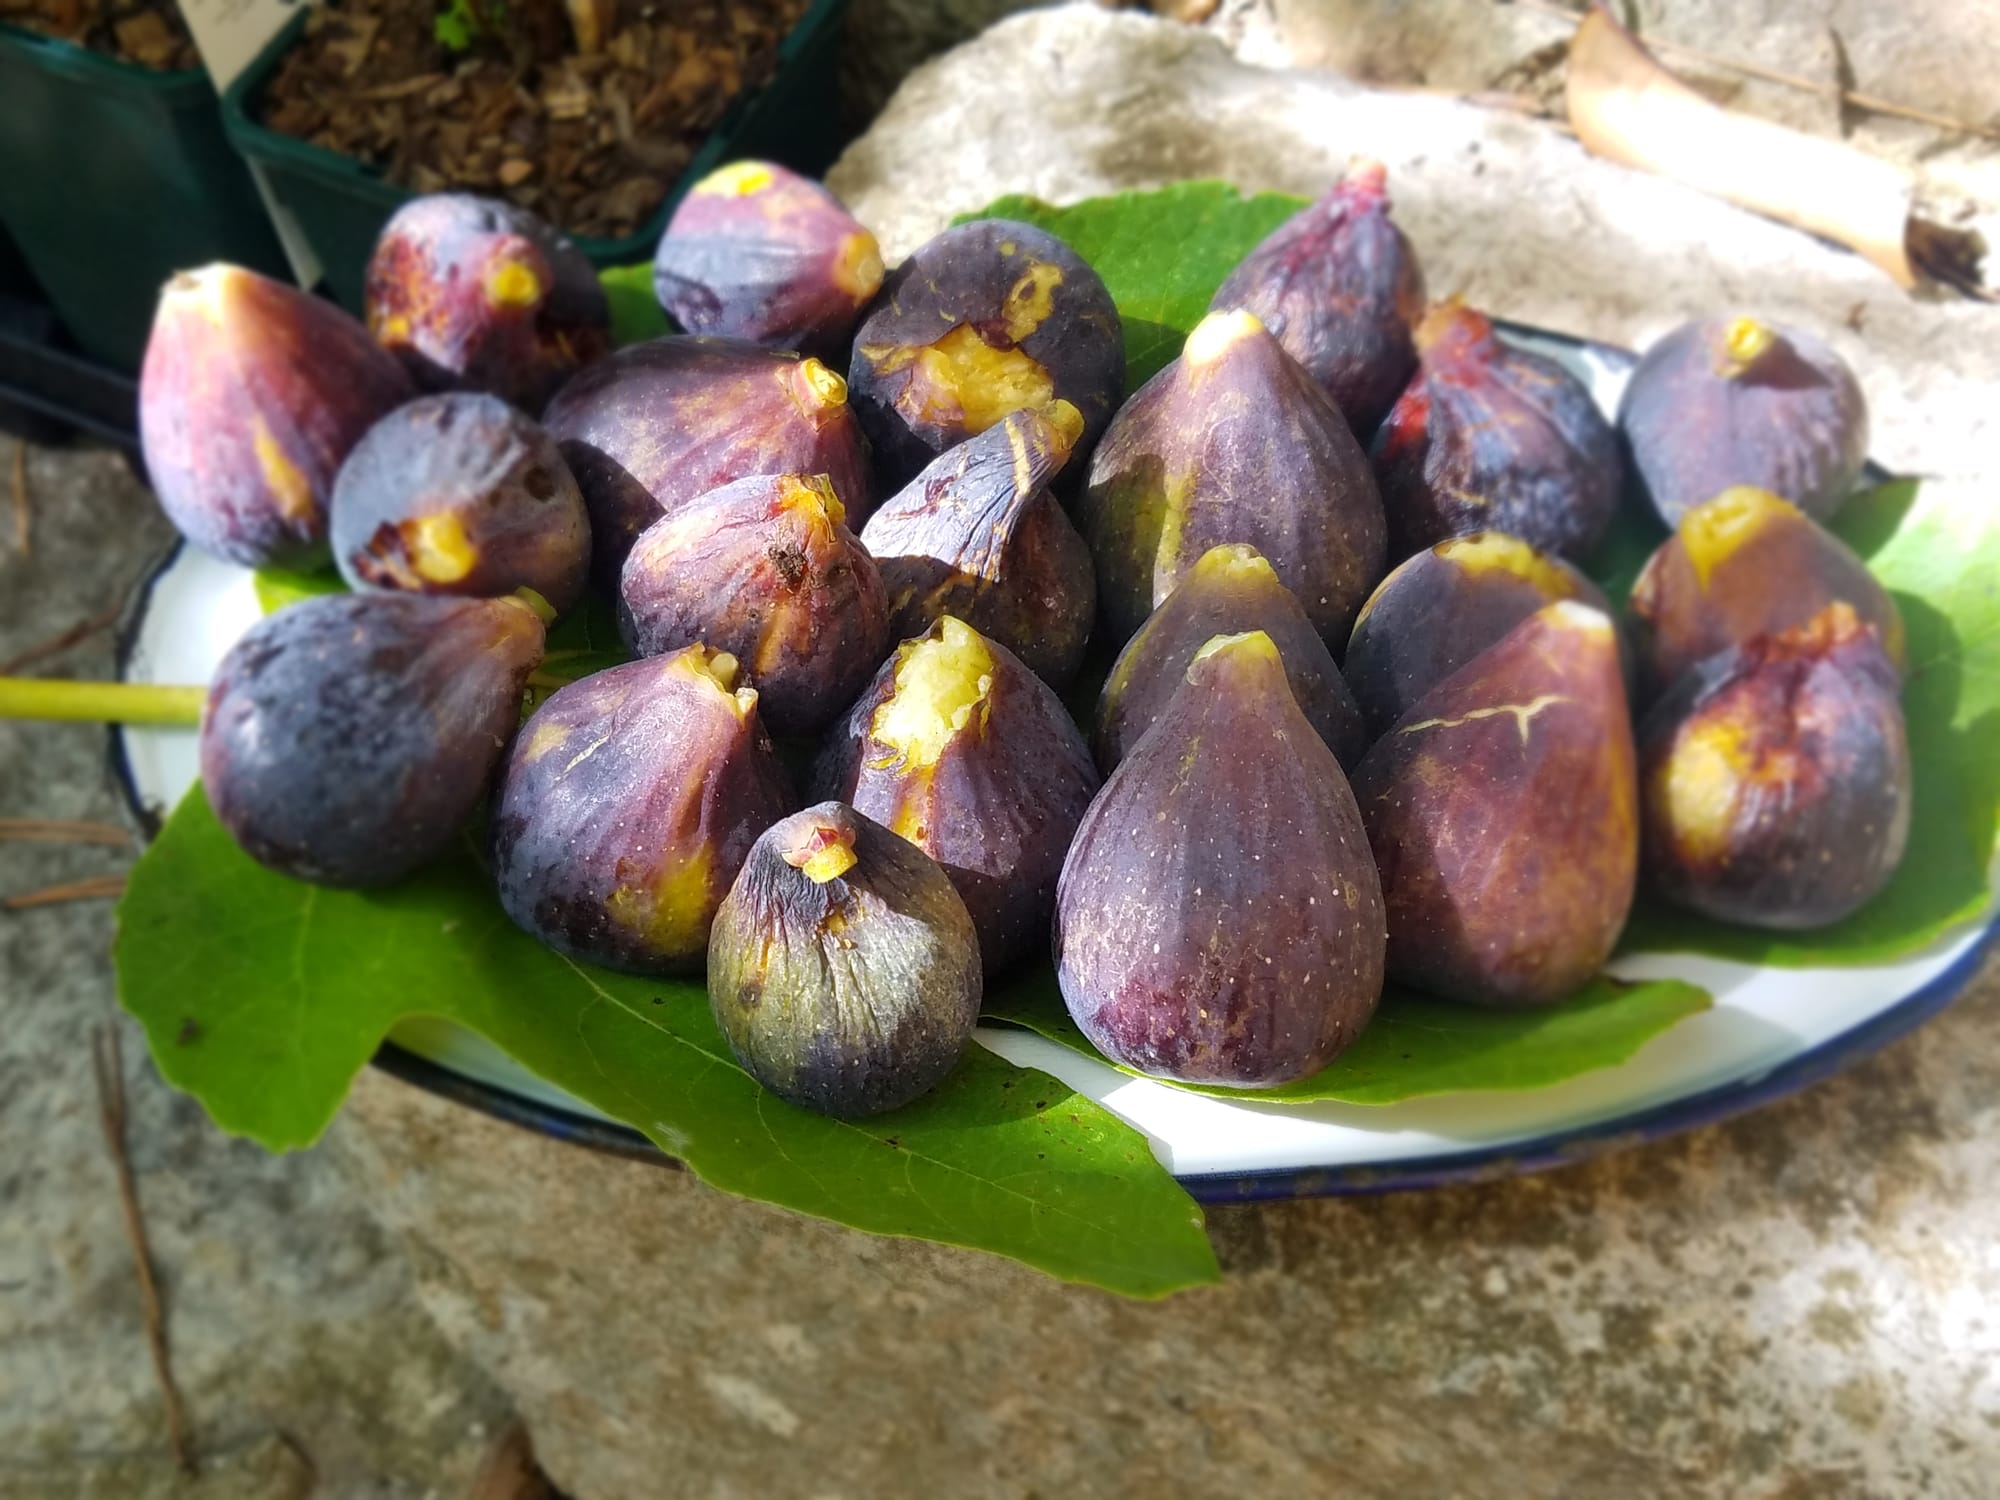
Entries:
{"x":460,"y":494}
{"x":979,"y":535}
{"x":1776,"y":777}
{"x":1743,"y":565}
{"x":1231,"y":590}
{"x":660,"y":423}
{"x":1731,"y":401}
{"x":474,"y":294}
{"x":1439,"y":609}
{"x":627,"y":805}
{"x":1491,"y":438}
{"x":1232,"y":442}
{"x":970,"y":756}
{"x":760,"y":253}
{"x":843,"y":970}
{"x":984,"y":319}
{"x":766,"y":570}
{"x":251,"y":396}
{"x":1341,"y":288}
{"x":348,"y":738}
{"x":1503,"y":811}
{"x":1218,"y":918}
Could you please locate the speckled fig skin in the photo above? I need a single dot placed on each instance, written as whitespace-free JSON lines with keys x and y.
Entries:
{"x":251,"y":396}
{"x":348,"y":738}
{"x":1218,"y":919}
{"x":1743,"y":565}
{"x":460,"y":494}
{"x":1492,"y":438}
{"x":475,"y":294}
{"x":962,"y":750}
{"x":985,"y":318}
{"x":1232,"y":442}
{"x":757,"y":252}
{"x":843,"y":969}
{"x":766,"y":570}
{"x":627,"y":805}
{"x":1341,"y":288}
{"x":979,"y":536}
{"x":1503,"y":812}
{"x":1439,"y":609}
{"x":1230,"y":591}
{"x":1776,"y":778}
{"x":1732,"y":401}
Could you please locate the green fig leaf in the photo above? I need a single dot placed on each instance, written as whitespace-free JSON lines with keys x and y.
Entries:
{"x":635,"y":311}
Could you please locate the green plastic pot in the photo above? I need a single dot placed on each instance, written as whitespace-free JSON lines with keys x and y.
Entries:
{"x":341,"y":204}
{"x":113,"y":177}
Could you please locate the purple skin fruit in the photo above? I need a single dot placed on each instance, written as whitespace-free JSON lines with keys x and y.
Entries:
{"x":661,"y":423}
{"x":1732,"y":401}
{"x":963,"y":751}
{"x":461,"y":494}
{"x":1232,"y":442}
{"x":1340,"y":287}
{"x":985,"y":319}
{"x":626,"y":807}
{"x":758,"y":252}
{"x":1489,"y":438}
{"x":348,"y":738}
{"x":1219,"y":919}
{"x":474,"y":294}
{"x":979,"y":536}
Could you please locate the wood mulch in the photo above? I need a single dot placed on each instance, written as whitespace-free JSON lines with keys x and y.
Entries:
{"x":148,"y":32}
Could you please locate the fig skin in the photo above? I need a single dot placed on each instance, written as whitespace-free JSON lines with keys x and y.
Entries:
{"x":1503,"y":812}
{"x":1218,"y":919}
{"x":1230,"y":591}
{"x":1232,"y":442}
{"x":985,"y":318}
{"x":1340,"y":287}
{"x":1492,"y":438}
{"x":1743,"y":565}
{"x":1731,"y":401}
{"x":475,"y":294}
{"x":661,"y":423}
{"x":251,"y":396}
{"x":766,"y":570}
{"x":960,"y":749}
{"x":843,"y":970}
{"x":979,"y":536}
{"x":1776,"y":778}
{"x":1442,"y":607}
{"x":757,"y":252}
{"x":627,"y":805}
{"x":347,"y":738}
{"x":459,"y":493}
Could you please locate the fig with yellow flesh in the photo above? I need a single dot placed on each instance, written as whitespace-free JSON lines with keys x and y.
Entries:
{"x":842,"y":969}
{"x":1503,"y":811}
{"x":1218,"y":919}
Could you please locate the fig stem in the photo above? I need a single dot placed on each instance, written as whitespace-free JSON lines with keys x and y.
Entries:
{"x":101,"y":702}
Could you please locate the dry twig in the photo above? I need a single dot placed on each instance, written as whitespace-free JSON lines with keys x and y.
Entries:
{"x":94,"y":887}
{"x":62,"y":831}
{"x":62,"y":641}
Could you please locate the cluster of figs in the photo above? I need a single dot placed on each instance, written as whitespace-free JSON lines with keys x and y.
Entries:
{"x":898,"y":571}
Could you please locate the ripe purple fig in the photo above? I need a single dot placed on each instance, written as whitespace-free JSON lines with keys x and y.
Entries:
{"x":963,"y":751}
{"x":978,"y":535}
{"x":1232,"y":442}
{"x":766,"y":570}
{"x":348,"y":738}
{"x":842,"y":969}
{"x":628,"y":804}
{"x":1492,"y":438}
{"x":758,"y":252}
{"x":1732,"y":401}
{"x":251,"y":397}
{"x":474,"y":294}
{"x":1219,"y":919}
{"x":1340,"y":287}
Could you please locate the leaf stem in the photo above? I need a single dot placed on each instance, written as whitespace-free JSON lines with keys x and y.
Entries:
{"x":100,"y":702}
